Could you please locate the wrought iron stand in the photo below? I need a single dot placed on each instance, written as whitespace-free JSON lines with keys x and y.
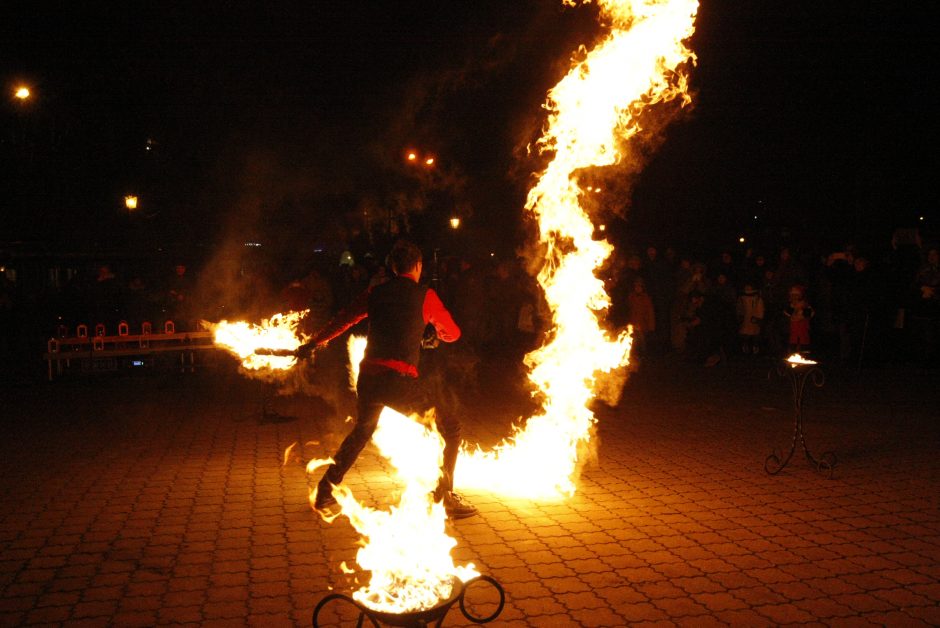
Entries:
{"x":419,"y":619}
{"x":268,"y":415}
{"x":799,"y":374}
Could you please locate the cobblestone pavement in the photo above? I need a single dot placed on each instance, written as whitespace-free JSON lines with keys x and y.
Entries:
{"x":163,"y":500}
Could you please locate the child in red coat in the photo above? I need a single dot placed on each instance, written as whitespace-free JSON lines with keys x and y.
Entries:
{"x":799,"y":313}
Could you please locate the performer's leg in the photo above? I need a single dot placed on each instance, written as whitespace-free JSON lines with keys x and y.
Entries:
{"x":408,"y":396}
{"x":369,"y":409}
{"x":449,"y":428}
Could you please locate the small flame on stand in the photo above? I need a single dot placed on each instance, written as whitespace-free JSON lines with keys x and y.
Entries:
{"x":592,"y":111}
{"x":797,"y":359}
{"x":242,"y":339}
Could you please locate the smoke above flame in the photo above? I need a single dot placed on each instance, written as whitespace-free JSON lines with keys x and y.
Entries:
{"x":592,"y":111}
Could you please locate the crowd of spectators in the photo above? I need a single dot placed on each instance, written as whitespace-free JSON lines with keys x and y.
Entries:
{"x":845,"y":306}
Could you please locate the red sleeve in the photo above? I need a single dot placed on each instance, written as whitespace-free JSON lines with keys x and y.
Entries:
{"x":357,"y":310}
{"x":436,"y":314}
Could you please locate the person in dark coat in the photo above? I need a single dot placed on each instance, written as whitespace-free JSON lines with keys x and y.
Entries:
{"x":398,"y":311}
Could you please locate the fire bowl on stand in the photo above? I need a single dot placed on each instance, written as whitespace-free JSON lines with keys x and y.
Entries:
{"x":800,"y":370}
{"x":418,"y":619}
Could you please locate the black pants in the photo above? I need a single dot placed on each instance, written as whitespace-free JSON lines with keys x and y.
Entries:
{"x":406,"y":395}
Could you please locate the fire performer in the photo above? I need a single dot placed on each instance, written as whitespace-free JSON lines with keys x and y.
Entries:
{"x":398,"y":311}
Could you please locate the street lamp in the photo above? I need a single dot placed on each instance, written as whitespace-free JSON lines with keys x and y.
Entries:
{"x":21,"y":93}
{"x":130,"y":202}
{"x":454,"y":222}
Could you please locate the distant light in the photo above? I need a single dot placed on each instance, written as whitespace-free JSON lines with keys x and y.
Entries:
{"x":454,"y":222}
{"x":412,"y":156}
{"x":603,"y":227}
{"x":597,"y":190}
{"x":22,"y":92}
{"x":492,"y":254}
{"x":742,"y":240}
{"x":254,"y":245}
{"x":130,"y":201}
{"x":755,"y":217}
{"x":429,"y":161}
{"x":590,"y":189}
{"x":921,"y":218}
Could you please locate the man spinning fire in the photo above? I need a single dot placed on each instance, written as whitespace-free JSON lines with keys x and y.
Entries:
{"x":398,"y":311}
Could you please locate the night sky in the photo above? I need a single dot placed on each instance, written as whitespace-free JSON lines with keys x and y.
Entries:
{"x":282,"y":121}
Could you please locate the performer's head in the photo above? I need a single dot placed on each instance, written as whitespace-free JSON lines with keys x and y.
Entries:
{"x":405,"y":257}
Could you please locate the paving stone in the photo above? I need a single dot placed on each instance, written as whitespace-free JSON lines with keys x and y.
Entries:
{"x":597,"y":617}
{"x":192,"y":518}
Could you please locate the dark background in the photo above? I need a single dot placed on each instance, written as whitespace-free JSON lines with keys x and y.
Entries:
{"x":287,"y":123}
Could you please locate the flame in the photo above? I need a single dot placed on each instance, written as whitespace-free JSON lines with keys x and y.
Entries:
{"x":406,"y":548}
{"x":356,"y":346}
{"x":592,"y":111}
{"x":287,"y":453}
{"x":796,"y":359}
{"x":243,"y":339}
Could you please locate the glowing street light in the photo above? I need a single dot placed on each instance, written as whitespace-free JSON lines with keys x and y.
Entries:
{"x":742,"y":239}
{"x":21,"y":93}
{"x":130,"y":202}
{"x":414,"y":156}
{"x":454,"y":222}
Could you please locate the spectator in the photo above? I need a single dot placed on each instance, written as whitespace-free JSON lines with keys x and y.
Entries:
{"x":925,"y":311}
{"x":178,"y":297}
{"x":725,"y":266}
{"x":706,"y":329}
{"x":139,"y":302}
{"x":799,"y":313}
{"x":750,"y":311}
{"x":864,"y":299}
{"x":836,"y":281}
{"x":107,"y":299}
{"x":658,"y":276}
{"x":296,"y":296}
{"x":755,"y":271}
{"x":788,"y":271}
{"x":697,"y":280}
{"x":642,"y":315}
{"x":724,"y":291}
{"x":7,"y":318}
{"x":321,"y":299}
